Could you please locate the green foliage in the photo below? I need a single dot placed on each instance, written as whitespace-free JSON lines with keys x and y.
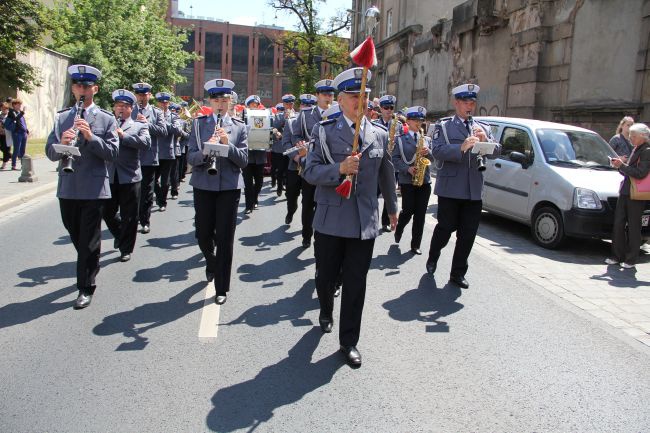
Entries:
{"x":128,"y":40}
{"x":312,"y":44}
{"x":21,"y":29}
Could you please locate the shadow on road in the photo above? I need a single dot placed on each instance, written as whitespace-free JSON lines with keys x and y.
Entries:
{"x":618,"y":277}
{"x":24,"y":312}
{"x":269,"y":239}
{"x":249,"y":404}
{"x":292,"y":309}
{"x":392,"y":260}
{"x":150,"y":316}
{"x":176,"y":270}
{"x":43,"y":274}
{"x":426,"y":303}
{"x":276,"y":268}
{"x":172,"y":243}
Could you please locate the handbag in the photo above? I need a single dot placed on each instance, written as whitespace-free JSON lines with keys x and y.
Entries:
{"x":640,"y":188}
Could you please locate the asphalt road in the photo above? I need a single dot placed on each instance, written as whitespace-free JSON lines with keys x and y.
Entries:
{"x":501,"y":356}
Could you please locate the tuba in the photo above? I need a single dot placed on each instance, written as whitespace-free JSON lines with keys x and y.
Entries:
{"x":421,"y":163}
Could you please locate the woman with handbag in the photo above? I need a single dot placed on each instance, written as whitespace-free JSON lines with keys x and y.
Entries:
{"x":634,"y":191}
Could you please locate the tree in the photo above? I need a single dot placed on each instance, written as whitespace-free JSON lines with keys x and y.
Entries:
{"x":311,"y":44}
{"x":21,"y":28}
{"x":128,"y":40}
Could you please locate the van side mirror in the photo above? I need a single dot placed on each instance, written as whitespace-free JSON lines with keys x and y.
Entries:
{"x":520,"y":158}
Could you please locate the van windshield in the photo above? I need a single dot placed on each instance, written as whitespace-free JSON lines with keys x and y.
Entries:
{"x":575,"y":148}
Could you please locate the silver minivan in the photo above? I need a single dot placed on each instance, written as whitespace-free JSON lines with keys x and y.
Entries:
{"x":555,"y":178}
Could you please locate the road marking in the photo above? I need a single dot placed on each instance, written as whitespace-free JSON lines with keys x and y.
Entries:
{"x":209,"y":326}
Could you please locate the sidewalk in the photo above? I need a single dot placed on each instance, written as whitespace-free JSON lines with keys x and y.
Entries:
{"x":14,"y":193}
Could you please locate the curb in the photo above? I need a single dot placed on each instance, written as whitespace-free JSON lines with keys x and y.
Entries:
{"x":18,"y":199}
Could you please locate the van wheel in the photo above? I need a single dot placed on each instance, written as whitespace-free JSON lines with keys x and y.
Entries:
{"x":548,"y":227}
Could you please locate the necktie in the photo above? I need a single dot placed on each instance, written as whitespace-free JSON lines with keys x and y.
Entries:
{"x":469,"y":130}
{"x":415,"y":136}
{"x":83,"y":113}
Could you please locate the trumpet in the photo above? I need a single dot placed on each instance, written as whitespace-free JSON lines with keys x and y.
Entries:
{"x":212,"y":157}
{"x":68,"y":158}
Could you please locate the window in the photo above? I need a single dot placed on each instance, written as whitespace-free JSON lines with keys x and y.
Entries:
{"x":240,"y":65}
{"x":266,"y":51}
{"x":383,"y":81}
{"x":213,"y":43}
{"x":516,"y":140}
{"x":389,"y":23}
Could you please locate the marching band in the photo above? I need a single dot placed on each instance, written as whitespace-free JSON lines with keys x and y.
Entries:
{"x":123,"y":159}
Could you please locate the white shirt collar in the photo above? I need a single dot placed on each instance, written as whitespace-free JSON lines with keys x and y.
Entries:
{"x":350,"y":122}
{"x":225,"y":117}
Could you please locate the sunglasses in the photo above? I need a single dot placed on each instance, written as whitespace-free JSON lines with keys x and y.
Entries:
{"x":388,"y":107}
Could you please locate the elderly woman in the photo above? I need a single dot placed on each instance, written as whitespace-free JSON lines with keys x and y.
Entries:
{"x":621,"y":142}
{"x":626,"y":236}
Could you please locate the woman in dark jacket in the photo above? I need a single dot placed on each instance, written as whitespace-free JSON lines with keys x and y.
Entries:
{"x":626,"y":236}
{"x":621,"y":142}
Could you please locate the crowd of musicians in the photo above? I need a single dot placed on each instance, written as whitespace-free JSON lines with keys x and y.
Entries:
{"x":113,"y":165}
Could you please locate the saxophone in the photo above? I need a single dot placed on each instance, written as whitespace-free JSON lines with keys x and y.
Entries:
{"x":391,"y":135}
{"x":421,"y":162}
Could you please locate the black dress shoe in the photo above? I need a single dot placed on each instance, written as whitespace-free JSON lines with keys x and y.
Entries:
{"x":162,"y":208}
{"x":431,"y":267}
{"x":255,"y":206}
{"x":220,"y":299}
{"x":288,"y":219}
{"x":174,"y":196}
{"x":398,"y":236}
{"x":279,"y":193}
{"x":326,"y":325}
{"x":385,"y":229}
{"x":306,"y":244}
{"x":416,"y":251}
{"x":352,"y":356}
{"x":459,"y":281}
{"x":83,"y":300}
{"x":145,"y":229}
{"x":337,"y":291}
{"x":209,"y":276}
{"x":125,"y":257}
{"x":248,"y":211}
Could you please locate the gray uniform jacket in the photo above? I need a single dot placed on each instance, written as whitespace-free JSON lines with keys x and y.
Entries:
{"x":304,"y":125}
{"x":157,"y":129}
{"x":358,"y":216}
{"x":89,"y":181}
{"x":173,"y":130}
{"x":181,"y":140}
{"x":136,"y":139}
{"x":287,"y":135}
{"x":278,"y":121}
{"x":457,"y":174}
{"x":229,"y":168}
{"x":403,"y":153}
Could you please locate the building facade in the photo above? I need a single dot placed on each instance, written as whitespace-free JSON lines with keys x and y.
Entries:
{"x":583,"y":62}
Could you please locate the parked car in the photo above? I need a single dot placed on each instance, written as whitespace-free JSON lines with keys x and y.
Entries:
{"x":555,"y":178}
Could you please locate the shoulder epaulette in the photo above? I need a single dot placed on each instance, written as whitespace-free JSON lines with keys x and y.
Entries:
{"x":444,"y":119}
{"x":327,"y":121}
{"x":379,"y":125}
{"x":64,"y":110}
{"x":106,"y":112}
{"x":234,"y":119}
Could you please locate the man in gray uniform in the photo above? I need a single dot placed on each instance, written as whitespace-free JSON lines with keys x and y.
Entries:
{"x":153,"y":117}
{"x":302,"y":134}
{"x":216,"y":196}
{"x":459,"y":183}
{"x":254,"y":171}
{"x":83,"y":191}
{"x":166,"y":150}
{"x":126,"y":175}
{"x":346,"y":228}
{"x":279,"y":161}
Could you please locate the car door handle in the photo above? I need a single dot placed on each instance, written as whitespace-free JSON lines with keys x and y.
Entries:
{"x":497,"y":165}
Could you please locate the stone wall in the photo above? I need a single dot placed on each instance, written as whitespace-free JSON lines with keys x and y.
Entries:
{"x":583,"y":62}
{"x":51,"y":96}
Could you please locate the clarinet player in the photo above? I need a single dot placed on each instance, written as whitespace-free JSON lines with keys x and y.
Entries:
{"x":84,"y":188}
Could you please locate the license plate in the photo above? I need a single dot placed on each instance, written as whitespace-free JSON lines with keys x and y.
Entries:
{"x":645,"y":219}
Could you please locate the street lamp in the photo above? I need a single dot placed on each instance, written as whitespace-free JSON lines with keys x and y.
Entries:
{"x":372,"y":17}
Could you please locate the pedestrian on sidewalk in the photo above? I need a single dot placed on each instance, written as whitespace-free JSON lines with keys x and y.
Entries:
{"x":16,"y":123}
{"x":626,"y":236}
{"x":621,"y":141}
{"x":5,"y":145}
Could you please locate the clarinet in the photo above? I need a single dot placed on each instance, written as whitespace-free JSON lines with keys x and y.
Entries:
{"x":480,"y":161}
{"x":67,"y":159}
{"x":212,"y":158}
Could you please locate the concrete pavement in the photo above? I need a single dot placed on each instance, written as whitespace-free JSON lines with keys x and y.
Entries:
{"x":14,"y":193}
